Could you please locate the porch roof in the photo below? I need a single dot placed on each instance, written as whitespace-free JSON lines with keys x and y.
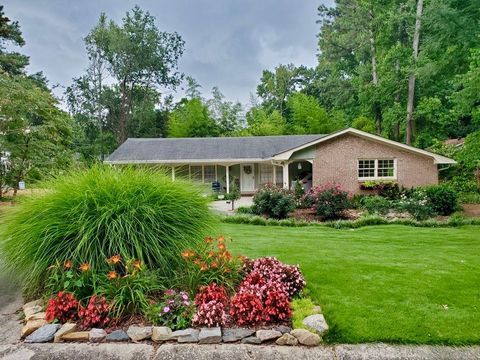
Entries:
{"x":205,"y":150}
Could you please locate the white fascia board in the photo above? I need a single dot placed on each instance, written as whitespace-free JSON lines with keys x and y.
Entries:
{"x":437,"y":159}
{"x":187,"y":161}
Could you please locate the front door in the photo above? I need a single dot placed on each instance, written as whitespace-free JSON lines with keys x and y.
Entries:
{"x":247,"y":178}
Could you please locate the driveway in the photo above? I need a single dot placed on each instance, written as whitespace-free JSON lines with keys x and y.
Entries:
{"x":222,"y":207}
{"x":10,"y":303}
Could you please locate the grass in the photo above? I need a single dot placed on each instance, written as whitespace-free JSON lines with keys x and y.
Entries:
{"x":88,"y":216}
{"x":392,"y":283}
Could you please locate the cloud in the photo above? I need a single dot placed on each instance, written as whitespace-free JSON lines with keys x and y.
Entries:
{"x":228,"y":43}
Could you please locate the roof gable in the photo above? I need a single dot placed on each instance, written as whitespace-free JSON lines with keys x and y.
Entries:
{"x":438,"y":159}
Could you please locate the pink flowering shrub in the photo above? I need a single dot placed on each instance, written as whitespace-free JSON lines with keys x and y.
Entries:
{"x":287,"y":276}
{"x":95,"y":314}
{"x":212,"y":306}
{"x":174,"y":309}
{"x":63,"y":307}
{"x":260,"y":300}
{"x":329,"y":201}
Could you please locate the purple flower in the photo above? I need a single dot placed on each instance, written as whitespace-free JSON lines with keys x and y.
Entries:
{"x":166,"y":309}
{"x":186,"y":303}
{"x":184,"y":297}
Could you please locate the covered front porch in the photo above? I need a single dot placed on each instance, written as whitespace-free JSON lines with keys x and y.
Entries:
{"x":248,"y":176}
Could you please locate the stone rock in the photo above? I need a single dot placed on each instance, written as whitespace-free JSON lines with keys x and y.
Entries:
{"x":210,"y":335}
{"x":31,"y":326}
{"x":317,"y":309}
{"x":32,"y":310}
{"x":191,"y":336}
{"x":76,"y":336}
{"x":64,"y":330}
{"x":117,"y":336}
{"x":36,"y":316}
{"x":251,"y":340}
{"x":306,"y":337}
{"x":161,"y":333}
{"x":265,"y":335}
{"x":316,"y":322}
{"x":139,"y":333}
{"x":235,"y":334}
{"x":43,"y":334}
{"x":283,"y":329}
{"x":33,"y":303}
{"x":179,"y":333}
{"x":287,"y":339}
{"x":97,"y":335}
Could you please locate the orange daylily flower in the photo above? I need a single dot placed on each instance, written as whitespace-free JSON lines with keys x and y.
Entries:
{"x":112,"y":275}
{"x":203,"y":267}
{"x":208,"y":240}
{"x":221,"y":246}
{"x":211,"y":254}
{"x":221,"y":239}
{"x":115,"y":259}
{"x":137,"y":264}
{"x":188,"y":253}
{"x":84,"y":267}
{"x":68,"y":264}
{"x":214,"y":264}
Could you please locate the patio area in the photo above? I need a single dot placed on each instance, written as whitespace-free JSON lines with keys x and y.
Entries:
{"x":225,"y":208}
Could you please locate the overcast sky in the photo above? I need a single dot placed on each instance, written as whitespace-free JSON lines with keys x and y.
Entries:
{"x":228,"y":42}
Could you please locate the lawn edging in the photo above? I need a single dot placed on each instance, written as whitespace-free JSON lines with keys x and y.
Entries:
{"x":372,"y":220}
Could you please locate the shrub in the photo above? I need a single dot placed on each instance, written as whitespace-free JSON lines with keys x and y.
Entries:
{"x":260,"y":300}
{"x":89,"y":215}
{"x":244,"y":210}
{"x":416,"y":204}
{"x":273,"y":201}
{"x":63,"y":307}
{"x":127,"y":286}
{"x":95,"y":314}
{"x":212,"y":306}
{"x":173,"y":310}
{"x":376,"y":204}
{"x":269,"y":268}
{"x":210,"y":263}
{"x":442,"y":198}
{"x":298,"y":191}
{"x":330,"y":201}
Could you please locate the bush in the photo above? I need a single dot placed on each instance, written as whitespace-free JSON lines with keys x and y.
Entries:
{"x":173,"y":310}
{"x":273,"y":201}
{"x":376,"y":204}
{"x":416,"y":204}
{"x":244,"y":210}
{"x":330,"y":201}
{"x":63,"y":307}
{"x":442,"y":198}
{"x":89,"y":215}
{"x":212,"y":306}
{"x":95,"y":314}
{"x":287,"y":276}
{"x":127,"y":286}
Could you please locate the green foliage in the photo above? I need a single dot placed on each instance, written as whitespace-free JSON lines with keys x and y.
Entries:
{"x":86,"y":216}
{"x":470,"y":154}
{"x":365,"y":124}
{"x":417,"y":204}
{"x":301,"y":308}
{"x":174,"y":310}
{"x":442,"y":198}
{"x":244,"y":210}
{"x":376,"y":204}
{"x":330,"y":201}
{"x":69,"y":278}
{"x":262,"y":123}
{"x":273,"y":201}
{"x":191,"y":119}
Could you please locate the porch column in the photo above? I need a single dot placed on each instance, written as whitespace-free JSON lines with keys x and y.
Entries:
{"x":227,"y":174}
{"x":173,"y":173}
{"x":285,"y":176}
{"x":274,"y":175}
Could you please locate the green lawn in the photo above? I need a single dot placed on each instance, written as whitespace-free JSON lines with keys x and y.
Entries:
{"x":382,"y":283}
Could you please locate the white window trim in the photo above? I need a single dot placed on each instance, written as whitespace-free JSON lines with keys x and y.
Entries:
{"x":376,"y":177}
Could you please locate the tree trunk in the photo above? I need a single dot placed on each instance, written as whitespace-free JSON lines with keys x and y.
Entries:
{"x":411,"y":79}
{"x":122,"y":123}
{"x":376,"y":107}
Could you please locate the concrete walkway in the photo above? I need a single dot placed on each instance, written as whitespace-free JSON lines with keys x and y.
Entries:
{"x":12,"y":349}
{"x":221,"y":206}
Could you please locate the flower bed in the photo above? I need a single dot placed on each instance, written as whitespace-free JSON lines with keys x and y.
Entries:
{"x":233,"y":299}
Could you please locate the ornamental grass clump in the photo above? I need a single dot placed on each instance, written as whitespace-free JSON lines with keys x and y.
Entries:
{"x":85,"y":216}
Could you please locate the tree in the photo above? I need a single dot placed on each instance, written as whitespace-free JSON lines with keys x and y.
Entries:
{"x":226,"y":114}
{"x":138,"y":54}
{"x":261,"y":123}
{"x":10,"y":33}
{"x":308,"y":117}
{"x":191,"y":118}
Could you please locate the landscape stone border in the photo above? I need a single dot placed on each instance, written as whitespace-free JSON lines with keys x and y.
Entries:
{"x":37,"y":330}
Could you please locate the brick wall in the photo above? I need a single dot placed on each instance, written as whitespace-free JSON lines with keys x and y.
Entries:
{"x":336,"y":161}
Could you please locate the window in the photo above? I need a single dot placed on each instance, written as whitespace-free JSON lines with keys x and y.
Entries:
{"x":209,"y":173}
{"x":196,"y":173}
{"x":366,"y":168}
{"x":371,"y":169}
{"x":266,"y":174}
{"x":386,"y":168}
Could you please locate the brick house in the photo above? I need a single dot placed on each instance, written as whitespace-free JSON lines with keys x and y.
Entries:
{"x":348,"y":157}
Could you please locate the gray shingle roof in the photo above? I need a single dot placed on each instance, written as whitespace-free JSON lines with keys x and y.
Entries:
{"x":220,"y":148}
